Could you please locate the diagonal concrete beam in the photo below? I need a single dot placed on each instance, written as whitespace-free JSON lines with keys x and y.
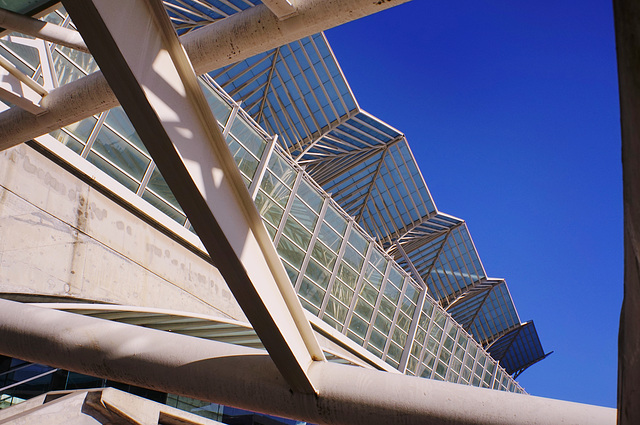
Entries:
{"x":158,"y":89}
{"x":218,"y":44}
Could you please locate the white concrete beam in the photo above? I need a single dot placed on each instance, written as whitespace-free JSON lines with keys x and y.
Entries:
{"x":221,"y":43}
{"x":159,"y":91}
{"x":246,"y":378}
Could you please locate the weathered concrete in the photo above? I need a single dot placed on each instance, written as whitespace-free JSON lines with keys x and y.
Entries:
{"x":62,"y":238}
{"x":94,"y":407}
{"x":627,"y":26}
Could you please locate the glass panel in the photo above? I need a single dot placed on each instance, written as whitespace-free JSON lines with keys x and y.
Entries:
{"x":290,"y":252}
{"x":364,"y":309}
{"x":383,"y":324}
{"x":297,"y":233}
{"x":329,"y":237}
{"x":282,"y":169}
{"x":342,"y":292}
{"x":246,"y":162}
{"x":121,"y":153}
{"x":323,"y":255}
{"x":310,"y":196}
{"x":163,"y":206}
{"x":347,"y":274}
{"x":335,"y":220}
{"x":275,"y":189}
{"x":221,"y":109}
{"x":353,"y":258}
{"x":358,"y":326}
{"x":316,"y":272}
{"x":311,"y":292}
{"x":118,"y":120}
{"x":368,"y":293}
{"x":248,"y":136}
{"x":304,"y":214}
{"x":159,"y":186}
{"x":358,"y":242}
{"x":337,"y":310}
{"x":268,"y":209}
{"x":373,"y":276}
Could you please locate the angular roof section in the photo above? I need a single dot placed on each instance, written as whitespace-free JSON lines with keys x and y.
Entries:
{"x":299,"y":92}
{"x":518,"y":349}
{"x":486,"y":311}
{"x":296,"y":91}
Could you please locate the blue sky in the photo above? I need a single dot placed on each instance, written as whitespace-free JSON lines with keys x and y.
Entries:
{"x":511,"y":109}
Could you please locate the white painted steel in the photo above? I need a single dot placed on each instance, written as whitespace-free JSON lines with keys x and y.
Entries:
{"x":162,"y":97}
{"x":43,"y":30}
{"x":221,"y":43}
{"x":247,"y":378}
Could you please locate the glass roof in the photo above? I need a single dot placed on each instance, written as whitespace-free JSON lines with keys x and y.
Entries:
{"x":296,"y":91}
{"x":187,"y":15}
{"x":518,"y":349}
{"x":487,"y":311}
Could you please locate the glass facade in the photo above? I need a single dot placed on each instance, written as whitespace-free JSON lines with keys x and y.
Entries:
{"x":342,"y":274}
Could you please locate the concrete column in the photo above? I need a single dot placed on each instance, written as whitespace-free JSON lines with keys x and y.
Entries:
{"x":627,"y":27}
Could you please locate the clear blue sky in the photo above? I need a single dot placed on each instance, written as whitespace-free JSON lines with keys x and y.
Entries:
{"x":511,"y":109}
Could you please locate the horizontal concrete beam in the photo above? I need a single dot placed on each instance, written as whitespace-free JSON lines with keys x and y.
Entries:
{"x":248,"y":379}
{"x":221,"y":43}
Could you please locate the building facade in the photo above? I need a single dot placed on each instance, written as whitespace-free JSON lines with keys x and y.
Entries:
{"x":387,"y":280}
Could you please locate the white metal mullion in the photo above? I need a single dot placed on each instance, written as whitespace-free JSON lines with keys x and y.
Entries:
{"x":352,"y":305}
{"x":248,"y":106}
{"x":274,"y":60}
{"x":93,"y":134}
{"x":406,"y":352}
{"x":287,"y":209}
{"x":287,"y":118}
{"x":326,"y":69}
{"x":250,"y":80}
{"x":315,"y":73}
{"x":377,"y":130}
{"x":230,"y":120}
{"x":295,"y":83}
{"x":384,"y":204}
{"x":376,"y":307}
{"x":180,"y":6}
{"x":358,"y":217}
{"x":404,"y":183}
{"x":145,"y":178}
{"x":314,"y":238}
{"x":231,"y":5}
{"x":336,"y":267}
{"x":208,"y":5}
{"x":363,"y":133}
{"x":396,"y":314}
{"x":352,"y":136}
{"x":326,"y":135}
{"x":262,"y":167}
{"x":313,"y":94}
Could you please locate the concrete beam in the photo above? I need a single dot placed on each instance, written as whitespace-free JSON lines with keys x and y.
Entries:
{"x":218,"y":44}
{"x":248,"y":379}
{"x":627,"y":29}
